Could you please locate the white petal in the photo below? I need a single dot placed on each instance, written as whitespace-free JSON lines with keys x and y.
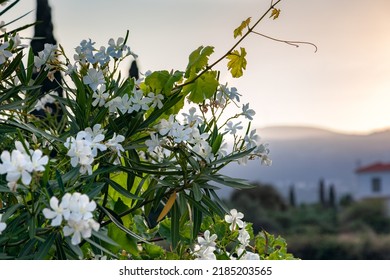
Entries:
{"x":56,"y":221}
{"x":76,"y":238}
{"x":49,"y":214}
{"x":26,"y":178}
{"x":54,"y":203}
{"x":68,"y":230}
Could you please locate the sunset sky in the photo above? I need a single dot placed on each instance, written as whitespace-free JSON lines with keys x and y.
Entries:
{"x":344,"y":86}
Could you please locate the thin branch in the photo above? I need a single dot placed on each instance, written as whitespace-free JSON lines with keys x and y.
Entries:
{"x":292,"y":43}
{"x":250,"y":30}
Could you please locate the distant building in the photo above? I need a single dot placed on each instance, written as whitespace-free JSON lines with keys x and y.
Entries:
{"x":373,"y":182}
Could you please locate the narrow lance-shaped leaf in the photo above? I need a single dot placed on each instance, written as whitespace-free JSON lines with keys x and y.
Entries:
{"x":121,"y":226}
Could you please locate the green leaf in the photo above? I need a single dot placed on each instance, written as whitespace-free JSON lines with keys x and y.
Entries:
{"x":121,"y":226}
{"x":202,"y":88}
{"x":216,"y":143}
{"x":4,"y":189}
{"x":100,"y":235}
{"x":214,"y":207}
{"x":237,"y":63}
{"x":175,"y":229}
{"x":235,"y":183}
{"x":75,"y":248}
{"x":12,"y":66}
{"x":43,"y":249}
{"x":238,"y":31}
{"x":163,"y":81}
{"x":198,"y":60}
{"x":233,"y":156}
{"x":30,"y":65}
{"x":197,"y":192}
{"x":122,"y":190}
{"x":9,"y":7}
{"x":197,"y":218}
{"x":98,"y":246}
{"x":12,"y":209}
{"x":34,"y":130}
{"x":60,"y":251}
{"x":154,"y":251}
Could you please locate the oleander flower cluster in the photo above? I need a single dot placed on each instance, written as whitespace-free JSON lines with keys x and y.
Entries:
{"x":171,"y":132}
{"x":76,"y":210}
{"x":21,"y":164}
{"x":83,"y":148}
{"x":207,"y":248}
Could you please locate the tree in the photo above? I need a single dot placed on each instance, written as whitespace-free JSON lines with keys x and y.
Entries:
{"x":43,"y":34}
{"x":332,"y":197}
{"x":291,"y":196}
{"x":321,"y":193}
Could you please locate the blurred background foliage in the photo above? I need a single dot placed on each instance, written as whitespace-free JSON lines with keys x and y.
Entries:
{"x":327,"y":230}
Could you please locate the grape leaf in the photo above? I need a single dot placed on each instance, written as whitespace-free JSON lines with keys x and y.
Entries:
{"x":237,"y":63}
{"x":202,"y":88}
{"x":198,"y":60}
{"x":275,"y":13}
{"x":238,"y":31}
{"x":163,"y":81}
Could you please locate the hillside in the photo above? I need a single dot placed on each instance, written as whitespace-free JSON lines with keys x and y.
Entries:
{"x":303,"y":155}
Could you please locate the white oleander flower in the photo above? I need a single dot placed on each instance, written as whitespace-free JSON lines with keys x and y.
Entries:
{"x":234,"y":219}
{"x":114,"y":104}
{"x":166,"y":126}
{"x":38,"y":161}
{"x":20,"y":163}
{"x":46,"y":56}
{"x":204,"y":253}
{"x":80,"y":229}
{"x":156,"y":100}
{"x":100,"y":96}
{"x":180,"y":133}
{"x":94,"y":78}
{"x":153,"y":143}
{"x":207,"y":240}
{"x":243,"y":237}
{"x":116,"y":49}
{"x":248,"y":113}
{"x":232,"y":128}
{"x":84,"y":51}
{"x":139,"y":101}
{"x":58,"y":212}
{"x":4,"y":54}
{"x":192,"y":119}
{"x":247,"y":256}
{"x":16,"y":165}
{"x":251,"y":139}
{"x":76,"y":210}
{"x":114,"y":144}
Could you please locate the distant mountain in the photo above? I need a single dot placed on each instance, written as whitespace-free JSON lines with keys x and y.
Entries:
{"x":293,"y":132}
{"x":303,"y":155}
